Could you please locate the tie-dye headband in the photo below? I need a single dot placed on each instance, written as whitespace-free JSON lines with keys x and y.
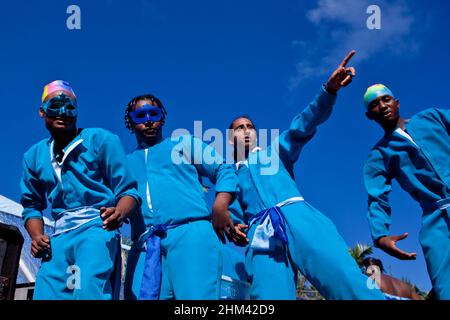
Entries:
{"x":57,"y":85}
{"x":375,"y":91}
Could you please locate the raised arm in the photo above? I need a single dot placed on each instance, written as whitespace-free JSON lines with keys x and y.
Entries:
{"x":304,"y":125}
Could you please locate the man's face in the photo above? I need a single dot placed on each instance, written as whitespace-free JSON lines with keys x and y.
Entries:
{"x":244,"y":134}
{"x":61,"y":123}
{"x":384,"y":110}
{"x":148,"y":131}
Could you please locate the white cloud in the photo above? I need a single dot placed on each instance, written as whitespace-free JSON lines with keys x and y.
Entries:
{"x":341,"y":26}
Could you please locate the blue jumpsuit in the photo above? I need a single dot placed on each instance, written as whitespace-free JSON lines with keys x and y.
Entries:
{"x":419,"y":159}
{"x":84,"y":262}
{"x":169,"y":177}
{"x":314,"y":245}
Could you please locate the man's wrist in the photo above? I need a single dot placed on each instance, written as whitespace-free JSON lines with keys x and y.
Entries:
{"x":379,"y":242}
{"x":37,"y":237}
{"x":328,"y":89}
{"x":124,"y":213}
{"x":220,"y":208}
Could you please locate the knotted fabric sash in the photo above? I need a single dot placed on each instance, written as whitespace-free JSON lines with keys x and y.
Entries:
{"x":151,"y":238}
{"x":271,"y":226}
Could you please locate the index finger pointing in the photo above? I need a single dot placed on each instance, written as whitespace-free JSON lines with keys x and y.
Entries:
{"x":347,"y":58}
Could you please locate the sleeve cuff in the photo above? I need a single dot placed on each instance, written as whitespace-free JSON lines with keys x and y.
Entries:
{"x":324,"y":97}
{"x":324,"y":90}
{"x":226,"y":188}
{"x":134,"y":195}
{"x":29,"y":216}
{"x":232,"y":192}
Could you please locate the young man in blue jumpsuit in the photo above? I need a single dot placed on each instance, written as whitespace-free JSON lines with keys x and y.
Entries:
{"x":82,"y":174}
{"x":415,"y":152}
{"x":285,"y":232}
{"x":176,"y":253}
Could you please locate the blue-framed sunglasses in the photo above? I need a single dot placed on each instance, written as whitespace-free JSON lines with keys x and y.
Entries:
{"x":60,"y":105}
{"x":146,"y":113}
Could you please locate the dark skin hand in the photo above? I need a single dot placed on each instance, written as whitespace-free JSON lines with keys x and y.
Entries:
{"x":242,"y":239}
{"x":221,"y":220}
{"x":113,"y":217}
{"x":342,"y":76}
{"x":40,"y":242}
{"x":388,"y":245}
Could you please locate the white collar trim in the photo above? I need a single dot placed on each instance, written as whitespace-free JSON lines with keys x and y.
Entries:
{"x":55,"y":164}
{"x":245,"y":162}
{"x":402,"y":132}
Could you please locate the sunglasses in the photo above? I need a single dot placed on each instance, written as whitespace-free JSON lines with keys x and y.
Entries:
{"x":61,"y":105}
{"x":146,"y":113}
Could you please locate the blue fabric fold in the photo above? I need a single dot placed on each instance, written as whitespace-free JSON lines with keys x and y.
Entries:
{"x":443,"y":204}
{"x":437,"y":205}
{"x":151,"y":280}
{"x":271,"y":225}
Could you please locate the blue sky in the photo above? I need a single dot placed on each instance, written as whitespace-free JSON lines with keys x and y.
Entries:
{"x":212,"y":60}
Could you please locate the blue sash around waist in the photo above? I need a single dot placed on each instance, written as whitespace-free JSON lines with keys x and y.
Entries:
{"x":271,"y":229}
{"x":151,"y":240}
{"x":74,"y":218}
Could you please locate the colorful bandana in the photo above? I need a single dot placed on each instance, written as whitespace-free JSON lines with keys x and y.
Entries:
{"x":375,"y":91}
{"x":57,"y":85}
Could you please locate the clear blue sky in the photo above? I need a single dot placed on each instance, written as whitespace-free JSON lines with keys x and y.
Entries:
{"x":211,"y":60}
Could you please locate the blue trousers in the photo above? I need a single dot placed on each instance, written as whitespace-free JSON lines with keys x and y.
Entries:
{"x":318,"y":251}
{"x":435,"y":240}
{"x":191,"y":264}
{"x":83,"y":265}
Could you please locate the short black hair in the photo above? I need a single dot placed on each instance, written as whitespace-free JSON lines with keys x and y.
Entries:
{"x":239,"y":117}
{"x":370,"y":261}
{"x":130,"y":106}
